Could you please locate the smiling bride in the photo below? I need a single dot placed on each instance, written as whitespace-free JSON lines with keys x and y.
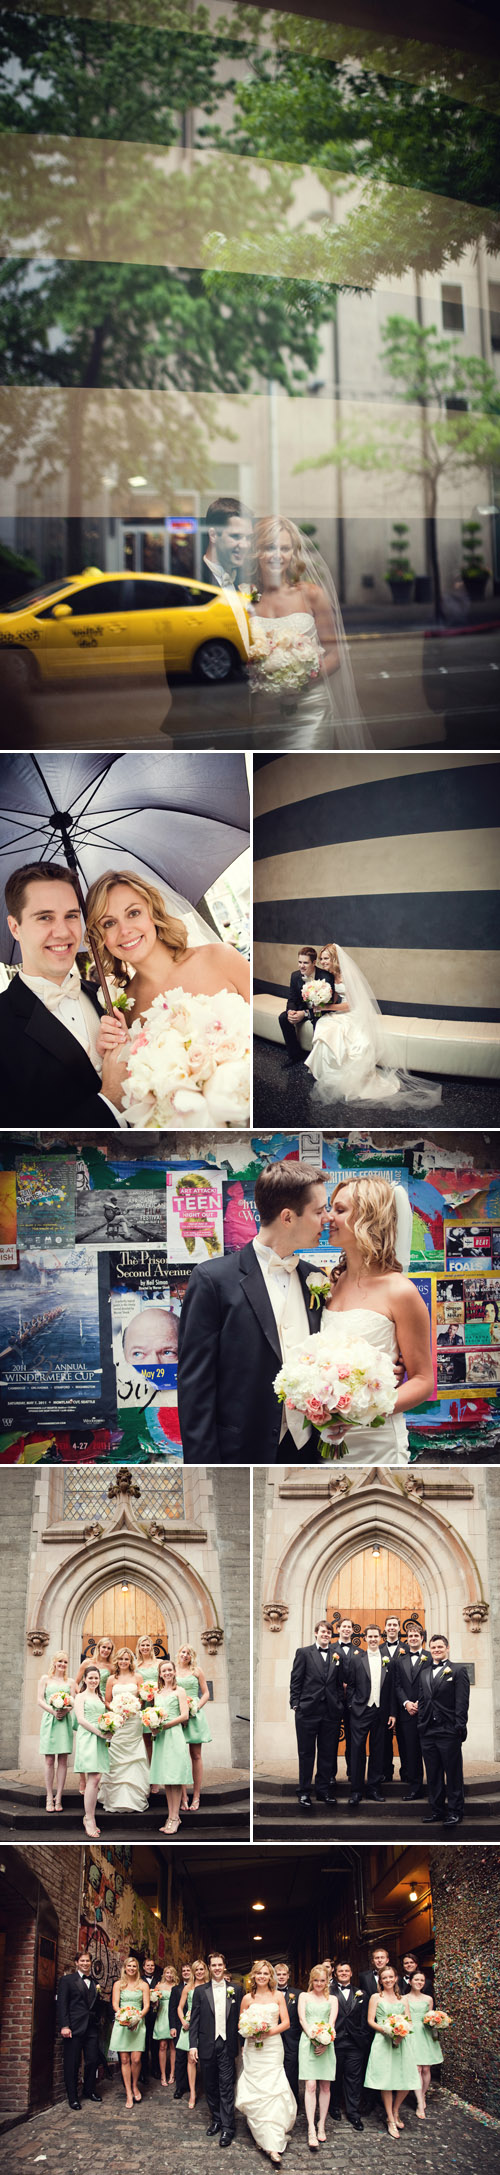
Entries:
{"x":184,"y":1026}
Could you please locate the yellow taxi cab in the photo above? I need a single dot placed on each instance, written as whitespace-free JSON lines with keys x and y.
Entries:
{"x":92,"y":624}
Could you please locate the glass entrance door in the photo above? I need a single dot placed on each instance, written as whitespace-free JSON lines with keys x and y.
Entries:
{"x":144,"y":548}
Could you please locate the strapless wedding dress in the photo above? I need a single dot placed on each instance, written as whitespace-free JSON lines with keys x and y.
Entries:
{"x":317,"y":706}
{"x":263,"y":2093}
{"x":126,"y":1787}
{"x":387,"y":1445}
{"x":342,"y":1061}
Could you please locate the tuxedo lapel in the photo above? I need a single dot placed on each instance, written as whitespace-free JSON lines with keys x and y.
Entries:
{"x":210,"y":1997}
{"x":256,"y":1292}
{"x":314,"y":1313}
{"x":45,"y":1028}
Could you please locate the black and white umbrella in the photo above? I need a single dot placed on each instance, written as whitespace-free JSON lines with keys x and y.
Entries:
{"x":176,"y":817}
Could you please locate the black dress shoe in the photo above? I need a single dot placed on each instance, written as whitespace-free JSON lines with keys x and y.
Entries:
{"x":74,"y":2104}
{"x":96,"y":2097}
{"x":355,"y":2122}
{"x":215,"y":2126}
{"x":433,"y":1820}
{"x":290,"y":1062}
{"x":453,"y":1820}
{"x":356,"y":1799}
{"x":178,"y":2095}
{"x":410,"y":1796}
{"x":226,"y":2137}
{"x":335,"y":2114}
{"x":377,"y":1797}
{"x":305,"y":1800}
{"x":325,"y":1797}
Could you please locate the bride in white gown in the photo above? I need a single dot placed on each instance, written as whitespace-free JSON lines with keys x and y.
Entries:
{"x":263,"y":2093}
{"x":126,"y":1787}
{"x":373,"y":1299}
{"x":347,"y":1056}
{"x":300,"y":669}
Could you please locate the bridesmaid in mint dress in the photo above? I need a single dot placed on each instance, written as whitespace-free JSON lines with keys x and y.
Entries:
{"x":428,"y":2051}
{"x":130,"y":1992}
{"x":392,"y":2070}
{"x":161,"y":2031}
{"x":56,"y":1736}
{"x":199,"y":1977}
{"x":146,"y":1669}
{"x":102,"y":1658}
{"x":91,"y":1749}
{"x":196,"y":1731}
{"x":317,"y":2063}
{"x":170,"y":1762}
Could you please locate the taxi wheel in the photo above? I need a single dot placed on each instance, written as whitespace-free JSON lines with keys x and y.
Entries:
{"x":20,"y":671}
{"x":215,"y":661}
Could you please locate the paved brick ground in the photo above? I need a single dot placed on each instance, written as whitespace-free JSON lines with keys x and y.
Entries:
{"x":160,"y":2135}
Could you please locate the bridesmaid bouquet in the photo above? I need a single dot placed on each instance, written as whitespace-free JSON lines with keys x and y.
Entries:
{"x":317,"y":994}
{"x":323,"y":2036}
{"x":152,"y":1719}
{"x":148,"y":1692}
{"x":61,"y":1703}
{"x":130,"y":2016}
{"x":190,"y":1058}
{"x":398,"y":2028}
{"x":282,"y":659}
{"x":107,"y":1725}
{"x":437,"y":2021}
{"x":352,"y":1383}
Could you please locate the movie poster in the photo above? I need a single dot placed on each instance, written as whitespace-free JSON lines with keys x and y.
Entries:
{"x":146,"y":1300}
{"x":120,"y":1205}
{"x":468,"y":1246}
{"x":45,"y":1200}
{"x":240,"y":1215}
{"x":50,"y":1357}
{"x":8,"y":1220}
{"x":194,"y":1215}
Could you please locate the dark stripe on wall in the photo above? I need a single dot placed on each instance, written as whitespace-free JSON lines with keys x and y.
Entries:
{"x":402,"y":1011}
{"x":440,"y":800}
{"x":467,"y":921}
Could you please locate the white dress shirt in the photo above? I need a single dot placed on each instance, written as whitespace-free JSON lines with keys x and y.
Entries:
{"x":70,"y":1004}
{"x":290,"y":1313}
{"x":375,"y":1668}
{"x":219,"y":1994}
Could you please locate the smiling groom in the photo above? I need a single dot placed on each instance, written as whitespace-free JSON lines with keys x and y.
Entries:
{"x":50,"y":1069}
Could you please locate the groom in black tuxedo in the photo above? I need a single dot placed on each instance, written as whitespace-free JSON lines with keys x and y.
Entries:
{"x":316,"y":1695}
{"x":213,"y":2039}
{"x":370,"y":1693}
{"x":240,"y":1318}
{"x":409,"y":1665}
{"x":227,"y":550}
{"x":351,"y":2040}
{"x":78,"y":2008}
{"x":49,"y":1022}
{"x":296,"y":1009}
{"x":443,"y":1706}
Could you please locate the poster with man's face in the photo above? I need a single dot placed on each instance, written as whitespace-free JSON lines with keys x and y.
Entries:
{"x":146,"y":1300}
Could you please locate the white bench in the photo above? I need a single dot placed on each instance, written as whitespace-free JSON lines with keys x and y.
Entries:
{"x":460,"y":1047}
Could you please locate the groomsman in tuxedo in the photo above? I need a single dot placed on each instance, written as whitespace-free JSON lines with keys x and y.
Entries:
{"x":241,"y":1317}
{"x":213,"y":2040}
{"x":391,"y":1648}
{"x":296,"y":1009}
{"x":181,"y":2066}
{"x":370,"y":1980}
{"x":350,"y":2046}
{"x":78,"y":2008}
{"x":227,"y":552}
{"x":49,"y":1021}
{"x":443,"y":1706}
{"x":151,"y":1972}
{"x":408,"y":1672}
{"x":411,"y":1964}
{"x":316,"y":1692}
{"x":343,"y":1646}
{"x":290,"y":2038}
{"x":370,"y":1693}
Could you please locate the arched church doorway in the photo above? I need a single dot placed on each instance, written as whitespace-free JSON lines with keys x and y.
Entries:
{"x":372,"y":1586}
{"x":124,"y":1613}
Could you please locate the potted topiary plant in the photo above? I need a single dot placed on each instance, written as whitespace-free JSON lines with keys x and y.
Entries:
{"x":400,"y":575}
{"x":475,"y":574}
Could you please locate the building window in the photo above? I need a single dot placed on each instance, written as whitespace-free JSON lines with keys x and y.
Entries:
{"x":494,"y":301}
{"x":452,"y":309}
{"x":86,"y":1495}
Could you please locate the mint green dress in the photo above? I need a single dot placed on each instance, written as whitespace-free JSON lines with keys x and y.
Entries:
{"x":427,"y":2050}
{"x":317,"y":2062}
{"x":196,"y":1731}
{"x":392,"y":2069}
{"x":91,"y":1753}
{"x":123,"y":2040}
{"x":57,"y":1736}
{"x":170,"y":1760}
{"x":183,"y":2039}
{"x":162,"y":2025}
{"x":148,"y":1672}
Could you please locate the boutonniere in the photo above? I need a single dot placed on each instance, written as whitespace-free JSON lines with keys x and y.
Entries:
{"x":230,"y":1990}
{"x":447,"y":1672}
{"x":358,"y":1994}
{"x":319,"y":1287}
{"x":291,"y":1997}
{"x":386,"y":1661}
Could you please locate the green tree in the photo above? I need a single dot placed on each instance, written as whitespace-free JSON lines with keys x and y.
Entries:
{"x":454,"y":426}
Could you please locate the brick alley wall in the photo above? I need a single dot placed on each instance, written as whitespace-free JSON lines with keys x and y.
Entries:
{"x":59,"y":1872}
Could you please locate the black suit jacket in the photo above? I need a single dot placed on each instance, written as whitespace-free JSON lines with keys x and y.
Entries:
{"x":316,"y":1687}
{"x":173,"y":2008}
{"x":77,"y":2004}
{"x":369,"y":1982}
{"x":350,"y":2028}
{"x":46,"y":1076}
{"x":359,"y":1687}
{"x":345,"y":1660}
{"x":295,"y":1001}
{"x":229,"y":1356}
{"x":407,"y":1679}
{"x":443,"y":1702}
{"x":202,"y":2021}
{"x":291,"y":1997}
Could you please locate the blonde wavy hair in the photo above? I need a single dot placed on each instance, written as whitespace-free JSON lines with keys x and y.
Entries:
{"x":121,"y":1651}
{"x":171,"y":932}
{"x":166,"y":1663}
{"x":191,"y":1650}
{"x":55,"y":1658}
{"x":333,"y":957}
{"x":264,"y":534}
{"x":145,"y":1640}
{"x":319,"y":1971}
{"x":168,"y":1972}
{"x":124,"y":1980}
{"x":374,"y":1224}
{"x":104,"y":1642}
{"x":200,"y":1965}
{"x":263,"y":1963}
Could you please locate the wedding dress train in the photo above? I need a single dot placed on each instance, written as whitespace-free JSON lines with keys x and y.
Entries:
{"x":263,"y":2093}
{"x":126,"y":1787}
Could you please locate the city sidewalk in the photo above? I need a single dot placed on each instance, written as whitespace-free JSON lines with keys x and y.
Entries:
{"x":162,"y":2134}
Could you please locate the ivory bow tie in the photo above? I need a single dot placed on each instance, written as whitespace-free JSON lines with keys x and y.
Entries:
{"x":291,"y":1263}
{"x":70,"y":987}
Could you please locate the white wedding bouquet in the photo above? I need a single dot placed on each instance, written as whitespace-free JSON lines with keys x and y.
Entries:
{"x":125,"y":1705}
{"x":352,"y":1384}
{"x":281,"y":659}
{"x":318,"y":994}
{"x":189,"y":1059}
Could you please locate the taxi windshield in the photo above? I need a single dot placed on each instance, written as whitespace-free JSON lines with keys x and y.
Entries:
{"x":35,"y":596}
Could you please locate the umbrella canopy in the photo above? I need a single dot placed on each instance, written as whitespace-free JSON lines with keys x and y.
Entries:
{"x":172,"y":817}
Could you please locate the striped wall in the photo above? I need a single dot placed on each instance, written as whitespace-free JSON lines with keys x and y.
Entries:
{"x":397,"y":857}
